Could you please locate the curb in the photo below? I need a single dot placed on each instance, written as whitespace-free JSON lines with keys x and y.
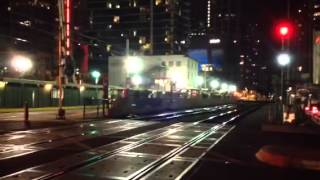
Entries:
{"x":289,"y":157}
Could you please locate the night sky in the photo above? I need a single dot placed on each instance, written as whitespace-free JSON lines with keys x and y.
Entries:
{"x":255,"y":11}
{"x":263,"y":12}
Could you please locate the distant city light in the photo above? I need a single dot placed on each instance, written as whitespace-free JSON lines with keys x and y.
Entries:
{"x":82,"y":88}
{"x":232,"y":88}
{"x":214,"y":41}
{"x":214,"y":84}
{"x":48,"y":87}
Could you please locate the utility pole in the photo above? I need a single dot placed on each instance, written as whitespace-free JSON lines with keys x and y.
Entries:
{"x":60,"y":63}
{"x":151,"y":27}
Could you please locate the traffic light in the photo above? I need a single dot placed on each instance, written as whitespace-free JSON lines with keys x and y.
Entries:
{"x":284,"y":30}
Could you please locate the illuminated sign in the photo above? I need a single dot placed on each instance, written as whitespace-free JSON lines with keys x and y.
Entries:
{"x":68,"y":15}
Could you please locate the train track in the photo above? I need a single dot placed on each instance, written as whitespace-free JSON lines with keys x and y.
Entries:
{"x":25,"y":142}
{"x":74,"y":165}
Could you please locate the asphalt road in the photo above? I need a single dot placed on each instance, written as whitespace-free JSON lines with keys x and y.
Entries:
{"x":211,"y":143}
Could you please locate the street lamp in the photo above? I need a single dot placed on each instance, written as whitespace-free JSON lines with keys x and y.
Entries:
{"x":133,"y":65}
{"x":224,"y":87}
{"x":214,"y":84}
{"x":21,"y":64}
{"x":96,"y":75}
{"x":283,"y":60}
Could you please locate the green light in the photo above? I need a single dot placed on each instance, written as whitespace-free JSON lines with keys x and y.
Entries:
{"x":95,"y":74}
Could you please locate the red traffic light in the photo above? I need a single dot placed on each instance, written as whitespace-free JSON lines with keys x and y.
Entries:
{"x":284,"y":30}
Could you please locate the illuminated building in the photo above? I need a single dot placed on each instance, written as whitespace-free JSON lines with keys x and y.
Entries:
{"x":125,"y":26}
{"x":157,"y":72}
{"x":29,"y":27}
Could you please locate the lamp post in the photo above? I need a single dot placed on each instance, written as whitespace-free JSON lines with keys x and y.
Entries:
{"x":283,"y":60}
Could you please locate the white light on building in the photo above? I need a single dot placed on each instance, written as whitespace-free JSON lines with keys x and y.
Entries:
{"x":214,"y":41}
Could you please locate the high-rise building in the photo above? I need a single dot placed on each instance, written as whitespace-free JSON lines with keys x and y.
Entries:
{"x":28,"y":27}
{"x":223,"y":23}
{"x":253,"y":66}
{"x":139,"y":26}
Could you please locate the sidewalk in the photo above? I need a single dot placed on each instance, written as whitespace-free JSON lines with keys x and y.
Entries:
{"x":237,"y":155}
{"x":12,"y":110}
{"x":299,"y":146}
{"x":13,"y":119}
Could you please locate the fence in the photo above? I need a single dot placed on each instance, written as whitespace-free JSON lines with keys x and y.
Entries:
{"x":15,"y":92}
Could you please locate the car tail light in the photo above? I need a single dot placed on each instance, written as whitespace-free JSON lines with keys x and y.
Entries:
{"x":307,"y":108}
{"x":314,"y":110}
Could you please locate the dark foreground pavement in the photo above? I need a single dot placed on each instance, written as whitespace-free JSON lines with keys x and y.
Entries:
{"x":201,"y":146}
{"x":235,"y":156}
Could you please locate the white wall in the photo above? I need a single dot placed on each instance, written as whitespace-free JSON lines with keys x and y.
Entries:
{"x":180,"y":68}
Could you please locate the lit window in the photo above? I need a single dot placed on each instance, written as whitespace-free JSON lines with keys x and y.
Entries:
{"x":158,"y":2}
{"x":118,"y":6}
{"x":134,"y":33}
{"x":108,"y":48}
{"x":109,"y":5}
{"x":116,"y":19}
{"x":26,"y":23}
